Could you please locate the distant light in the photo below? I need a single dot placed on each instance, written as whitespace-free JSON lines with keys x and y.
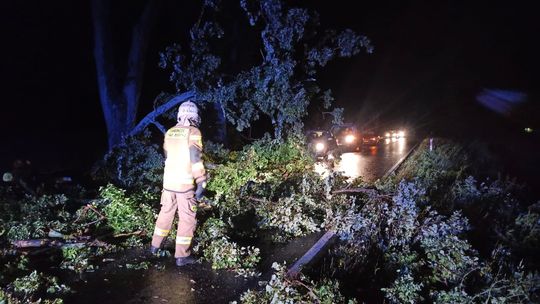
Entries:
{"x":319,"y":147}
{"x":349,"y":138}
{"x":387,"y":134}
{"x":528,"y":130}
{"x":7,"y":177}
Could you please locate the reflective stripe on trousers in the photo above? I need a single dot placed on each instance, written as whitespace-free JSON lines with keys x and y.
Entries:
{"x":185,"y":205}
{"x":183,"y":240}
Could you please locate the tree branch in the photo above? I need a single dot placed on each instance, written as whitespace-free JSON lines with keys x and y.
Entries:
{"x":152,"y":116}
{"x":160,"y":127}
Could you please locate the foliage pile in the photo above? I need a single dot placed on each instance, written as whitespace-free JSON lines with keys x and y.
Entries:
{"x":216,"y":247}
{"x":275,"y":182}
{"x":421,"y":238}
{"x":431,"y":233}
{"x":26,"y":288}
{"x":281,"y":289}
{"x":243,"y":187}
{"x":409,"y":247}
{"x":129,"y":213}
{"x":32,"y":217}
{"x":73,"y":227}
{"x":135,"y":163}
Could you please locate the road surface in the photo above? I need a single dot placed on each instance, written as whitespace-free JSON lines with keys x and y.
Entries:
{"x":373,"y":161}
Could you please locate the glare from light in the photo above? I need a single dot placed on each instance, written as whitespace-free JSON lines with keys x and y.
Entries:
{"x":350,"y":165}
{"x":349,"y":138}
{"x":319,"y":147}
{"x":387,"y":134}
{"x":401,"y":133}
{"x":322,"y":169}
{"x":387,"y":141}
{"x":401,"y":145}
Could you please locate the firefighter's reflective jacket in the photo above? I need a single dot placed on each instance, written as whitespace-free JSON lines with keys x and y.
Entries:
{"x":183,"y":163}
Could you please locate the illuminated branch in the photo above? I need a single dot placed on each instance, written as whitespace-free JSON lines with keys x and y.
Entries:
{"x":152,"y":116}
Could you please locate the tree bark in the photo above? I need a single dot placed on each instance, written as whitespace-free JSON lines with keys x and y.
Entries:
{"x":111,"y":103}
{"x":119,"y":93}
{"x":136,"y":60}
{"x":221,"y":123}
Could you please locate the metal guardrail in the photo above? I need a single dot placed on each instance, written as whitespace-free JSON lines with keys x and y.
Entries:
{"x":401,"y":160}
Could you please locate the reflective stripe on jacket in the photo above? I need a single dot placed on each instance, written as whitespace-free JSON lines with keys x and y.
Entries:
{"x":183,"y":163}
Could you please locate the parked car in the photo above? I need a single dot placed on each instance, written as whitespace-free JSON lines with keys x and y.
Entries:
{"x":348,"y":137}
{"x":321,"y":142}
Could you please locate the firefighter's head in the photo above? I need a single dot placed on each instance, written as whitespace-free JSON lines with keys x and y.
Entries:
{"x":188,"y":114}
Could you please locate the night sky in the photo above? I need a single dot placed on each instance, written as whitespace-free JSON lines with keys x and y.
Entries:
{"x":431,"y":59}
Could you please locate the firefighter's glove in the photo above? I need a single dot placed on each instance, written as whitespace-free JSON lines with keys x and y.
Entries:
{"x":199,"y":193}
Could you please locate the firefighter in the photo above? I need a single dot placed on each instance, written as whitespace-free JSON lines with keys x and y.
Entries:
{"x":184,"y":180}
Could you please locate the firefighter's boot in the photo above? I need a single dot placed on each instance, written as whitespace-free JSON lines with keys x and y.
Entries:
{"x":153,"y":250}
{"x":185,"y":261}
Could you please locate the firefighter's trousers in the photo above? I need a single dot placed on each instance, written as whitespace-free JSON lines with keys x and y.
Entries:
{"x":185,"y":204}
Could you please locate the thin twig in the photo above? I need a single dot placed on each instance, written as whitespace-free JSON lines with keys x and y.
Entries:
{"x":93,"y":222}
{"x":128,"y":234}
{"x":310,"y":290}
{"x":96,"y":211}
{"x":85,"y":210}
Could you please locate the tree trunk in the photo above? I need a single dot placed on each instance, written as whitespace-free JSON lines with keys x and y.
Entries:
{"x":111,"y":104}
{"x":136,"y":60}
{"x":118,"y":92}
{"x":221,"y":123}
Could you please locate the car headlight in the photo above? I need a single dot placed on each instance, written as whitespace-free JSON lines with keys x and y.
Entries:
{"x":387,"y":134}
{"x":401,"y":133}
{"x":319,"y":146}
{"x":349,"y":138}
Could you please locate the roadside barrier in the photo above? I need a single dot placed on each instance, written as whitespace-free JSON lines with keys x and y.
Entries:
{"x":401,"y":160}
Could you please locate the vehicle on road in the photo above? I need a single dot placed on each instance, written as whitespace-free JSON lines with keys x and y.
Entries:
{"x":321,"y":143}
{"x":394,"y":134}
{"x":370,"y":138}
{"x":348,"y":137}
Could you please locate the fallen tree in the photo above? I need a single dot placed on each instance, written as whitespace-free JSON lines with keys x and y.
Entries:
{"x":394,"y":238}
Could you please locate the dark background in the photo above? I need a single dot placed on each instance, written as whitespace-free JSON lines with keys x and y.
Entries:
{"x":431,"y":59}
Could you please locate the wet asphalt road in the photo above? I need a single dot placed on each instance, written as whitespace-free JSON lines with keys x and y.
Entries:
{"x":201,"y":284}
{"x":372,"y":162}
{"x":170,"y":284}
